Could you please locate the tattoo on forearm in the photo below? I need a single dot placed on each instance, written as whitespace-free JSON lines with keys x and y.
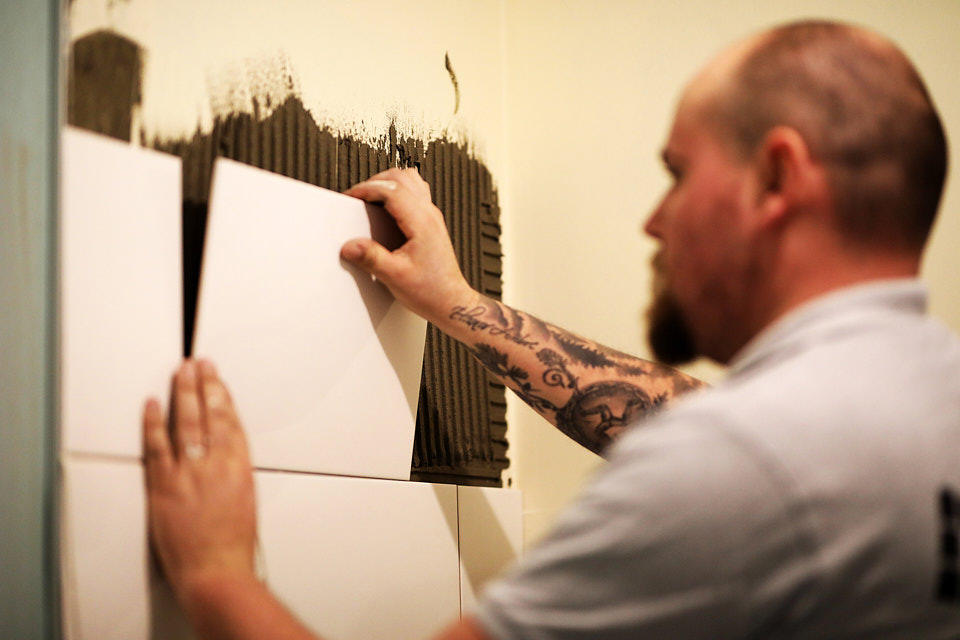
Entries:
{"x":593,"y":415}
{"x":581,"y":351}
{"x":557,"y":374}
{"x":595,"y":412}
{"x":513,"y":332}
{"x":595,"y":356}
{"x":517,"y":378}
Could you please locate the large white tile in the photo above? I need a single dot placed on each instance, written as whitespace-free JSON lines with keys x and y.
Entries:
{"x":352,"y":557}
{"x":324,"y":365}
{"x":491,"y":537}
{"x":121,"y":282}
{"x":111,"y":590}
{"x":358,"y":558}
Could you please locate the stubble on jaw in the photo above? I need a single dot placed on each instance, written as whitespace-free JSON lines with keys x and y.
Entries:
{"x":668,"y":332}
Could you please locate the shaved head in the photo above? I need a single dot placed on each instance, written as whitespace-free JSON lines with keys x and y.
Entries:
{"x":862,"y":110}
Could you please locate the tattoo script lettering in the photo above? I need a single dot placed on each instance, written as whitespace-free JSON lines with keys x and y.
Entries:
{"x":473,"y":318}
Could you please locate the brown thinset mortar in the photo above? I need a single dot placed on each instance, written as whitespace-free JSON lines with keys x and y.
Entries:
{"x":461,"y":419}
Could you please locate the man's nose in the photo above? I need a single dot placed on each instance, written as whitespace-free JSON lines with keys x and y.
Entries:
{"x":651,"y":226}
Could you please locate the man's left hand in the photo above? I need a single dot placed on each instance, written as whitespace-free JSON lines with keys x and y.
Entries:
{"x":199,"y":483}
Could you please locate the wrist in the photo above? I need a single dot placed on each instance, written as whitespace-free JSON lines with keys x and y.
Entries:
{"x":204,"y":588}
{"x":464,"y":297}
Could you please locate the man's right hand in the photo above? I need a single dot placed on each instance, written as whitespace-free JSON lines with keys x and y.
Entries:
{"x":566,"y":378}
{"x":423,"y":274}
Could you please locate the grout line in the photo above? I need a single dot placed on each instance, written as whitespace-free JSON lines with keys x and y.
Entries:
{"x":88,"y":456}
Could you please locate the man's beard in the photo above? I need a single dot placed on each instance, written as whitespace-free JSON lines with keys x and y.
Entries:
{"x":668,"y":333}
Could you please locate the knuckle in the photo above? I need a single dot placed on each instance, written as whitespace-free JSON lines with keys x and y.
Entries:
{"x":152,"y":448}
{"x":218,"y":412}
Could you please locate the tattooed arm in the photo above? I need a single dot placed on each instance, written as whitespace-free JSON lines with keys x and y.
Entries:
{"x":588,"y":391}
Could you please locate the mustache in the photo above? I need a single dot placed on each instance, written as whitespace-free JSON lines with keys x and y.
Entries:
{"x":656,"y":261}
{"x":658,"y":267}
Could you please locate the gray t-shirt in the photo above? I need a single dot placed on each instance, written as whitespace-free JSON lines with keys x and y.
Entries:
{"x":813,"y":494}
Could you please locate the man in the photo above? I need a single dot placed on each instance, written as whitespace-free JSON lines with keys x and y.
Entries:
{"x":813,"y":494}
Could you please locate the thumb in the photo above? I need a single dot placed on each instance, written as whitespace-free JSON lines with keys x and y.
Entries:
{"x":369,"y":255}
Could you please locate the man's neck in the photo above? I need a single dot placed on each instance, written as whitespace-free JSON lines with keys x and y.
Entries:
{"x":789,"y":289}
{"x":829,"y":277}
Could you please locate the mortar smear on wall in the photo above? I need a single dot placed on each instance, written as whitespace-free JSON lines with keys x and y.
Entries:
{"x":365,"y":64}
{"x":257,"y":85}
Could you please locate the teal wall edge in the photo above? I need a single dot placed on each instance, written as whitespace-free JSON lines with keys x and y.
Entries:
{"x":30,"y":96}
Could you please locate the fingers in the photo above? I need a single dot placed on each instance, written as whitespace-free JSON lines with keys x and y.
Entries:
{"x":403,"y":194}
{"x":201,"y":504}
{"x":369,"y":255}
{"x":379,"y":187}
{"x":205,"y":420}
{"x":190,"y":436}
{"x":222,"y":423}
{"x":156,"y":443}
{"x":373,"y":190}
{"x":423,"y":272}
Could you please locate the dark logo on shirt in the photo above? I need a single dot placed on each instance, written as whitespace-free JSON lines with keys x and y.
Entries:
{"x":948,"y":582}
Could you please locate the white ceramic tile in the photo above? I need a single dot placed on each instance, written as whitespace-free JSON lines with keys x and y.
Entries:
{"x":110,"y":586}
{"x":358,"y":558}
{"x":323,"y":364}
{"x":491,"y":537}
{"x":352,"y":557}
{"x":121,"y":282}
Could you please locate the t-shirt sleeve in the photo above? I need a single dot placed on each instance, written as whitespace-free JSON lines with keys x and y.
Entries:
{"x":671,"y":539}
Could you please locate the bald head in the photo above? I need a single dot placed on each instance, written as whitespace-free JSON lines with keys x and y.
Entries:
{"x":862,"y":110}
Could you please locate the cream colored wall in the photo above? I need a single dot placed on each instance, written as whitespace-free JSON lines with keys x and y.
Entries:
{"x":590,"y":90}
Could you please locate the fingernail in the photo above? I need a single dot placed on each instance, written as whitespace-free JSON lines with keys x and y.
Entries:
{"x":207,"y":368}
{"x":383,"y":184}
{"x":188,"y":370}
{"x":351,"y":251}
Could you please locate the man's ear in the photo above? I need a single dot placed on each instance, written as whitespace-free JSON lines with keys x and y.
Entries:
{"x":786,"y":174}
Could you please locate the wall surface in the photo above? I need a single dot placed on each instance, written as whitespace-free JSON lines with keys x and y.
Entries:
{"x":326,"y":93}
{"x":263,"y":89}
{"x":590,"y":93}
